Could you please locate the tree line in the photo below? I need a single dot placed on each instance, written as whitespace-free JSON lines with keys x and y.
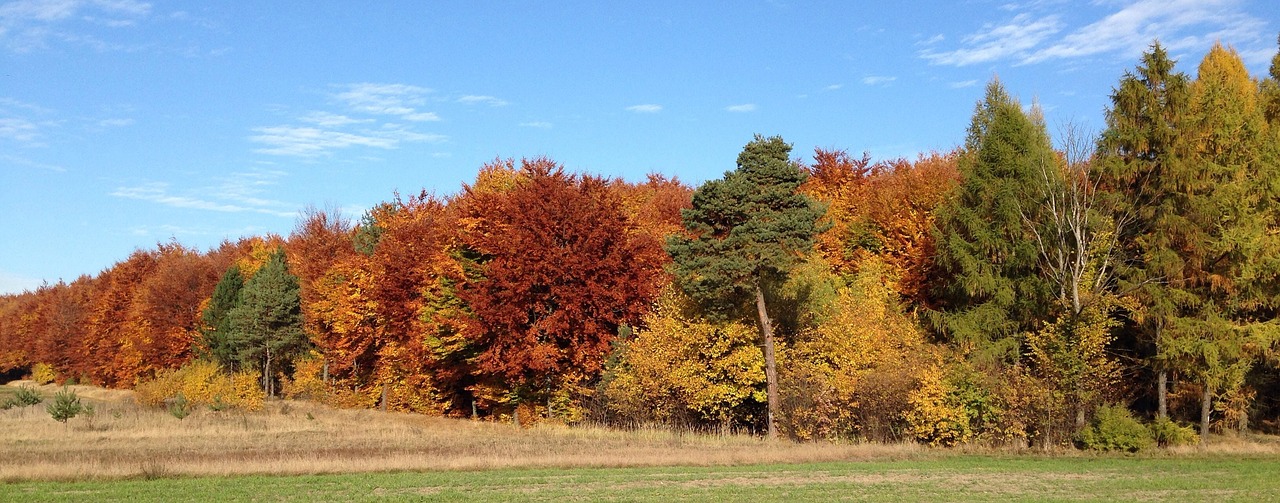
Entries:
{"x":1015,"y":290}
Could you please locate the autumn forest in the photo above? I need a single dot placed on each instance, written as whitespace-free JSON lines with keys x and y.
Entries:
{"x":1026,"y":288}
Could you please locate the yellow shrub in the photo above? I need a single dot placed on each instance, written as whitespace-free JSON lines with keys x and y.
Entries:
{"x":203,"y":383}
{"x":43,"y":373}
{"x":308,"y":379}
{"x":933,"y":418}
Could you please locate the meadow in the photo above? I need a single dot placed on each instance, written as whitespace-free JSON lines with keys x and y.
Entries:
{"x":299,"y":451}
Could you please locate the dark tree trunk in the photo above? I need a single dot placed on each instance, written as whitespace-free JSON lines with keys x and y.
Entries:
{"x":1204,"y":413}
{"x":770,"y":361}
{"x":1162,"y":392}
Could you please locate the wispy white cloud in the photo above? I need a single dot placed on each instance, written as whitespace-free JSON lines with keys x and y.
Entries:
{"x":19,"y":130}
{"x":27,"y":25}
{"x":536,"y":124}
{"x":1130,"y":30}
{"x":648,"y":108}
{"x":387,"y":99}
{"x":1013,"y":39}
{"x":1037,"y":34}
{"x":240,"y":192}
{"x":312,"y":142}
{"x":833,"y":87}
{"x":936,"y":39}
{"x":158,"y":192}
{"x":876,"y":80}
{"x":963,"y":84}
{"x":28,"y":163}
{"x":472,"y":99}
{"x":745,"y":107}
{"x":381,"y":116}
{"x":327,"y":119}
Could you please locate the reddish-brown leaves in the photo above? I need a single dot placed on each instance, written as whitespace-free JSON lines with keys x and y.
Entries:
{"x":562,"y":269}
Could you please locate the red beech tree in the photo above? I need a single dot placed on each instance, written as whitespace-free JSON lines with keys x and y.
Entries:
{"x":561,"y":268}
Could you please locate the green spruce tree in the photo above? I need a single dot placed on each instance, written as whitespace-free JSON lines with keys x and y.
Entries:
{"x":992,"y":289}
{"x":216,"y":333}
{"x":1144,"y":145}
{"x":746,"y":233}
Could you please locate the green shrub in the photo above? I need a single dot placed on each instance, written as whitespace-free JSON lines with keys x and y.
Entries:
{"x":1115,"y":429}
{"x":179,"y":407}
{"x":1168,"y":433}
{"x":26,"y":396}
{"x":65,"y":405}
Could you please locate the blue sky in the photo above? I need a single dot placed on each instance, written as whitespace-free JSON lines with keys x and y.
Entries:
{"x":126,"y":123}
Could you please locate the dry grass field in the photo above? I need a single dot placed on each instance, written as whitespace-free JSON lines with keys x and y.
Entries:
{"x":298,"y":451}
{"x":124,"y":440}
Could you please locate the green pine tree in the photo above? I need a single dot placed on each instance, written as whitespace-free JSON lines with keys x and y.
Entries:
{"x":748,"y":230}
{"x":267,"y":322}
{"x":994,"y":290}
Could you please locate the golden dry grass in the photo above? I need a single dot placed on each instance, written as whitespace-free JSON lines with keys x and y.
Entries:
{"x":125,"y":440}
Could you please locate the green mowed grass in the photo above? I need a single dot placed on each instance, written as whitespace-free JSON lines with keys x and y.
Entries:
{"x":945,"y":478}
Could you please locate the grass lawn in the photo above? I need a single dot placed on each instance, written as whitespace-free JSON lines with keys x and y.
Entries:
{"x":946,"y":478}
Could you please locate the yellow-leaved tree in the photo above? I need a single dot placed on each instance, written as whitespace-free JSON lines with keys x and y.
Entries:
{"x":684,"y":371}
{"x":851,"y":375}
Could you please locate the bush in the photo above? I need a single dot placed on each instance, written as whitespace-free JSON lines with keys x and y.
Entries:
{"x":65,"y":405}
{"x":1115,"y":429}
{"x":26,"y":396}
{"x":203,"y":383}
{"x":1168,"y":433}
{"x":43,"y":373}
{"x":178,"y":406}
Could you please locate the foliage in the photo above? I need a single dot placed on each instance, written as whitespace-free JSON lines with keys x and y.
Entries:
{"x":1078,"y":374}
{"x":935,"y":417}
{"x":883,"y":210}
{"x":267,"y":321}
{"x":202,"y":383}
{"x":308,"y":380}
{"x":1115,"y":429}
{"x":26,"y":396}
{"x":851,"y":375}
{"x":746,"y":231}
{"x":65,"y":405}
{"x":217,"y":336}
{"x":43,"y":373}
{"x":559,"y":269}
{"x":993,"y":290}
{"x":1167,"y":433}
{"x":684,"y":370}
{"x":179,"y":407}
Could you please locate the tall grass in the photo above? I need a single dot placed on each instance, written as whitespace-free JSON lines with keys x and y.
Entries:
{"x":125,"y":440}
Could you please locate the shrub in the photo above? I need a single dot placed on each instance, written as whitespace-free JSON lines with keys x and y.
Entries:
{"x":203,"y":383}
{"x":308,"y":381}
{"x":43,"y":373}
{"x":65,"y":405}
{"x":1168,"y":433}
{"x":26,"y":396}
{"x":178,"y":406}
{"x":934,"y":418}
{"x":1115,"y":429}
